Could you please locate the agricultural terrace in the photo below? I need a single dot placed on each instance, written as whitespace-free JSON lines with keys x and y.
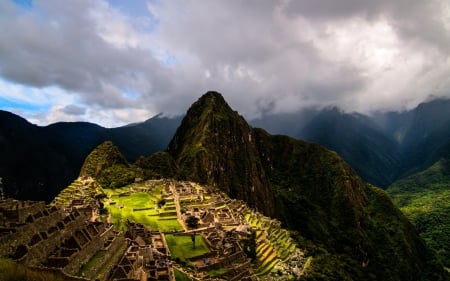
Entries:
{"x":128,"y":203}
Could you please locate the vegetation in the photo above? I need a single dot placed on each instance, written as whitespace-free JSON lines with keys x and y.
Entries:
{"x":213,"y":146}
{"x":181,"y":246}
{"x":139,"y":207}
{"x":217,"y":272}
{"x":89,"y":189}
{"x":425,"y":199}
{"x":192,"y":222}
{"x":158,"y":165}
{"x":102,"y":157}
{"x":86,"y":268}
{"x":180,"y":276}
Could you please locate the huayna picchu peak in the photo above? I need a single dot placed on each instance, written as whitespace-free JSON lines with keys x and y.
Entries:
{"x":214,"y":145}
{"x":225,"y":201}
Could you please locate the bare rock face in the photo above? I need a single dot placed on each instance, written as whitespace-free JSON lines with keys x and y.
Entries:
{"x":214,"y":145}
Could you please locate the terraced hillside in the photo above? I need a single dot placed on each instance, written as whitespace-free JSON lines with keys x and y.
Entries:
{"x":83,"y":190}
{"x":276,"y":251}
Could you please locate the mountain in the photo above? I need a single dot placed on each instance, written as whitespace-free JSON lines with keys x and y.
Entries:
{"x":359,"y":140}
{"x":425,"y":199}
{"x":352,"y":229}
{"x":37,"y":162}
{"x":422,"y":134}
{"x":382,"y":147}
{"x":214,"y":145}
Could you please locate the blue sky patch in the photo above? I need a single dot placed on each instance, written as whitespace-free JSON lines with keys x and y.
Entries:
{"x":8,"y":104}
{"x":24,"y":3}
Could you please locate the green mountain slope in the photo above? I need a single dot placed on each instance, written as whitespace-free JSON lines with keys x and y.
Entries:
{"x":425,"y":199}
{"x":351,"y":229}
{"x":108,"y":166}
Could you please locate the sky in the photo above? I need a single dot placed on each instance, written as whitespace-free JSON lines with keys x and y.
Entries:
{"x":115,"y":62}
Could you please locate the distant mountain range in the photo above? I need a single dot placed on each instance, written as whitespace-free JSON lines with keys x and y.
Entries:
{"x":383,"y":147}
{"x":37,"y":162}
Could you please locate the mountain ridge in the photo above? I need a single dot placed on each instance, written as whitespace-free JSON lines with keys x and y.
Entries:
{"x":37,"y":162}
{"x":382,"y":147}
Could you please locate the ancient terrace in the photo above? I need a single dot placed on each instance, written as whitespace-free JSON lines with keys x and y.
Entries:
{"x":145,"y":232}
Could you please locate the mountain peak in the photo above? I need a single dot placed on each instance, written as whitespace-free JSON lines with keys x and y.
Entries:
{"x":212,"y":97}
{"x":214,"y":146}
{"x":211,"y":102}
{"x":103,"y":156}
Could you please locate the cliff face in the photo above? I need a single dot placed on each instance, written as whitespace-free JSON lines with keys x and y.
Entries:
{"x":214,"y":145}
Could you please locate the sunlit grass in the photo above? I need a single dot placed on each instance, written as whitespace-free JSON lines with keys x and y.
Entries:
{"x":124,"y":208}
{"x":181,"y":246}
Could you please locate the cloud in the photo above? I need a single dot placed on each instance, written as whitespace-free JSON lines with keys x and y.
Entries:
{"x":264,"y":56}
{"x":72,"y":109}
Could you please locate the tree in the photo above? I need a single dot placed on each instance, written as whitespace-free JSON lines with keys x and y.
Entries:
{"x":161,"y":202}
{"x":192,"y":222}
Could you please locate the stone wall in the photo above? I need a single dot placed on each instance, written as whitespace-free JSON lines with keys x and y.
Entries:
{"x":112,"y":249}
{"x":18,"y":211}
{"x":40,"y":236}
{"x":93,"y":245}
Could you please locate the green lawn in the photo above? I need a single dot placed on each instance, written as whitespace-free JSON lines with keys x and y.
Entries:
{"x":181,"y":246}
{"x":122,"y":209}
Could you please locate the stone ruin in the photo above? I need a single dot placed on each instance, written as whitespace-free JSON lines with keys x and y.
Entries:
{"x":226,"y":253}
{"x":147,"y":256}
{"x":50,"y":239}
